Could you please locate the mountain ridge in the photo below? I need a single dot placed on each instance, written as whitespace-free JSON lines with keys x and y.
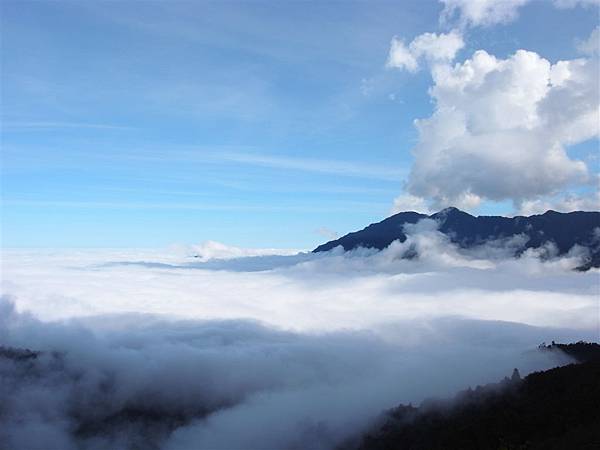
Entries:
{"x":564,"y":230}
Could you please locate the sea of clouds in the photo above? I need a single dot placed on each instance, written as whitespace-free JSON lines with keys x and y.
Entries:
{"x":215,"y":347}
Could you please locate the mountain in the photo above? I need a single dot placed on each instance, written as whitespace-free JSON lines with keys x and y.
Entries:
{"x":563,"y":229}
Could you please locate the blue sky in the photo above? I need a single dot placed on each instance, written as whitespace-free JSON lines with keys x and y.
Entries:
{"x":252,"y":123}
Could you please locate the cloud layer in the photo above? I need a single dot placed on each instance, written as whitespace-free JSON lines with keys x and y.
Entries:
{"x":132,"y":381}
{"x":307,"y":291}
{"x":163,"y":350}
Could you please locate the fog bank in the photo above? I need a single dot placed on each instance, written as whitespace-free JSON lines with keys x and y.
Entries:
{"x":125,"y":380}
{"x":235,"y":349}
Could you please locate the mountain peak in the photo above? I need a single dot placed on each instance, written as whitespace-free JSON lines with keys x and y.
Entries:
{"x":451,"y":213}
{"x":450,"y":210}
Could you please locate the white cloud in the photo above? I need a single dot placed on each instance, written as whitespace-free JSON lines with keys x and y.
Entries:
{"x":210,"y":348}
{"x":208,"y":250}
{"x":500,"y":129}
{"x":591,"y":45}
{"x":136,"y":381}
{"x":565,"y":203}
{"x":431,"y":47}
{"x":481,"y":12}
{"x":486,"y":13}
{"x":564,"y":4}
{"x":437,"y":47}
{"x":337,"y":167}
{"x":407,"y":202}
{"x":307,"y":291}
{"x":401,"y":57}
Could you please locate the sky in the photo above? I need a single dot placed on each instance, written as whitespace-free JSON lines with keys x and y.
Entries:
{"x":282,"y":124}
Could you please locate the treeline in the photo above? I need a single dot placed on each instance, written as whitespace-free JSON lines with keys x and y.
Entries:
{"x":554,"y":409}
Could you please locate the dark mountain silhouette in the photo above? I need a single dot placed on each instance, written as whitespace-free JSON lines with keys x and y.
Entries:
{"x":554,"y":409}
{"x":563,"y":229}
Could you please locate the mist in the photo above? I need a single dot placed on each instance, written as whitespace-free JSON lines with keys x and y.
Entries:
{"x":158,"y":349}
{"x":305,"y":291}
{"x":125,"y":380}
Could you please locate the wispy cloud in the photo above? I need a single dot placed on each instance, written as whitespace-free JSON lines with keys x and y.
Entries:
{"x":346,"y":206}
{"x":41,"y":126}
{"x":340,"y":167}
{"x":225,"y":156}
{"x":194,"y":190}
{"x":336,"y":167}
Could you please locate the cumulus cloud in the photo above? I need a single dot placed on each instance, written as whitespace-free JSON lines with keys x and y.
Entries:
{"x":401,"y":57}
{"x":500,"y":129}
{"x":430,"y":47}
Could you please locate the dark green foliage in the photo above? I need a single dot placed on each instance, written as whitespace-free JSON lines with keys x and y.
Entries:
{"x":147,"y":422}
{"x":581,"y":351}
{"x":555,"y":409}
{"x":17,"y":354}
